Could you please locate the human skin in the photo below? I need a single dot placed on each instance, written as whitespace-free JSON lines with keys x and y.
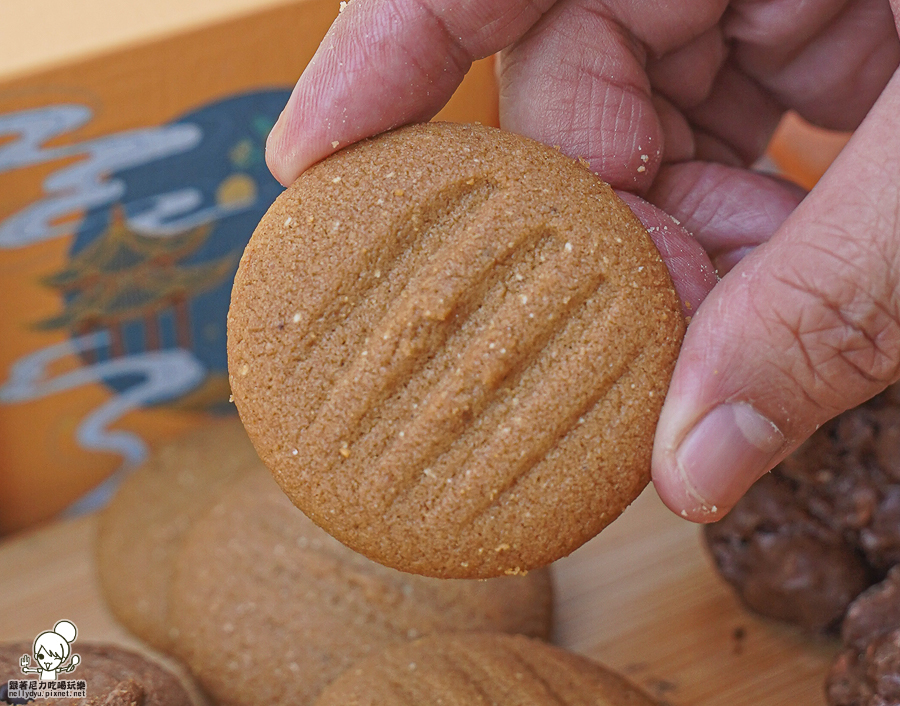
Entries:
{"x":805,"y":321}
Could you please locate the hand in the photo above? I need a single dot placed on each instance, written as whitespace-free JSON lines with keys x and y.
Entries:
{"x":24,"y":661}
{"x":673,"y":100}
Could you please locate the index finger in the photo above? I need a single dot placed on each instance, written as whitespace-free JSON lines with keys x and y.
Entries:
{"x":371,"y":74}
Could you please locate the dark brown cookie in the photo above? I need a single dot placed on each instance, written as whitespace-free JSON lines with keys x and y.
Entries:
{"x":783,"y":562}
{"x":867,"y":671}
{"x":480,"y":670}
{"x":824,"y":525}
{"x":867,"y":678}
{"x":451,"y":344}
{"x":269,"y":608}
{"x":141,"y":530}
{"x":113,"y":676}
{"x":875,"y":612}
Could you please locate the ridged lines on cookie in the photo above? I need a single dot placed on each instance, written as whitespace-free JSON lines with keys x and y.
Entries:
{"x":310,"y":331}
{"x":496,"y":359}
{"x":436,"y":303}
{"x":485,"y":669}
{"x":507,"y":279}
{"x":556,"y":677}
{"x":456,"y":675}
{"x":580,"y":405}
{"x":534,"y":680}
{"x":522,"y":399}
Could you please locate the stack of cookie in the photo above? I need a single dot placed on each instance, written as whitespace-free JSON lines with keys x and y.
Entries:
{"x":202,"y":556}
{"x":809,"y":539}
{"x":450,"y":345}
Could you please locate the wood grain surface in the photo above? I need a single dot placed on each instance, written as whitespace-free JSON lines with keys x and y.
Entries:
{"x":642,"y":598}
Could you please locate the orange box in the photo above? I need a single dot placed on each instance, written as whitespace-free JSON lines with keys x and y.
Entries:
{"x":132,"y":174}
{"x":803,"y":152}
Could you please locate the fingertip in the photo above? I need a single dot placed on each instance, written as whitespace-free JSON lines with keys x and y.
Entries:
{"x":692,"y":272}
{"x":679,"y":499}
{"x":275,"y":158}
{"x":669,"y":480}
{"x":702,"y":468}
{"x":291,"y":148}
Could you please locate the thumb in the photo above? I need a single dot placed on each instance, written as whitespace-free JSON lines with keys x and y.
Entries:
{"x":803,"y":328}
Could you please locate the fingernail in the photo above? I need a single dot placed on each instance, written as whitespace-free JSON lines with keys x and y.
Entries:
{"x":275,"y":133}
{"x":723,"y":455}
{"x":273,"y":148}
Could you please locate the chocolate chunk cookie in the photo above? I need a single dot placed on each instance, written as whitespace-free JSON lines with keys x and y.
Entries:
{"x":784,"y":562}
{"x":824,"y":525}
{"x":451,"y":344}
{"x":867,"y":672}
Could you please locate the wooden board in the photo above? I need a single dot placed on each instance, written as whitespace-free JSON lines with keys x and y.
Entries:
{"x":641,"y":598}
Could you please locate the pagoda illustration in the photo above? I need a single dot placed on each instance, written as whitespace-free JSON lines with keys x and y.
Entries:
{"x":126,"y":276}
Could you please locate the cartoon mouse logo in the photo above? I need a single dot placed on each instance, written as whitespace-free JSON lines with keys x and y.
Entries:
{"x":51,"y":648}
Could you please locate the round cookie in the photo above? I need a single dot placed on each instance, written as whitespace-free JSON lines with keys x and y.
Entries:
{"x":782,"y":561}
{"x":269,"y":608}
{"x":141,"y":529}
{"x":113,"y":676}
{"x":867,"y":678}
{"x":451,"y":344}
{"x":867,"y":671}
{"x":480,"y":670}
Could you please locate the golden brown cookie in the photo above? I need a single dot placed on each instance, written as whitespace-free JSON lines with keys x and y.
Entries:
{"x":140,"y":531}
{"x":113,"y":676}
{"x":480,"y":670}
{"x":451,"y":345}
{"x":269,"y":608}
